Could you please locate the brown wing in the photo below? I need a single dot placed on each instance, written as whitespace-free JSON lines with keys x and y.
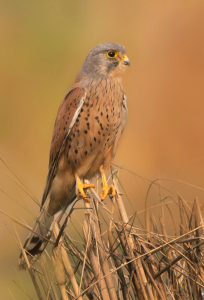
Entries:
{"x":67,"y":114}
{"x":64,"y":118}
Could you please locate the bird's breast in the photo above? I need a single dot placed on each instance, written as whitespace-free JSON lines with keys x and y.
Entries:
{"x":97,"y":124}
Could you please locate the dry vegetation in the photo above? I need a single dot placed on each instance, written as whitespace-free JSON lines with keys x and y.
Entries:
{"x":119,"y":260}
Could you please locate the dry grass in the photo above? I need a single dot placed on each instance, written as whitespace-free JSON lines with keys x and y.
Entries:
{"x":117,"y":260}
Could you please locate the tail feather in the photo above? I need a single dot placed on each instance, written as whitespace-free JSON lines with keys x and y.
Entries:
{"x":37,"y":239}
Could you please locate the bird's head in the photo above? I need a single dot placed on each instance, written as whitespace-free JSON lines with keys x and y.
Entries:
{"x":107,"y":59}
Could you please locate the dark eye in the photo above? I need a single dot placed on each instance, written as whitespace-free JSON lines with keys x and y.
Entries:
{"x":112,"y":54}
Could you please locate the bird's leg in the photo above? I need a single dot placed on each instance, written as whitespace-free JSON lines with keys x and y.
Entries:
{"x":106,"y":190}
{"x":80,"y":187}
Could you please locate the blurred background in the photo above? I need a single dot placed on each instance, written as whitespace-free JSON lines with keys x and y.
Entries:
{"x":43,"y":45}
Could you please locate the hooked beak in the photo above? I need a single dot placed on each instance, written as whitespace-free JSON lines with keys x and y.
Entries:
{"x":125,"y":60}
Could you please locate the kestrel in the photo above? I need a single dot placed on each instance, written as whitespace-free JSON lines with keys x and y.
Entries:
{"x":88,"y":126}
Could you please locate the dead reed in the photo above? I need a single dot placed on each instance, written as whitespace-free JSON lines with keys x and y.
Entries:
{"x":119,"y":260}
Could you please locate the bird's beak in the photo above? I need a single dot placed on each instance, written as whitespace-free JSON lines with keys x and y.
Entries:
{"x":125,"y":60}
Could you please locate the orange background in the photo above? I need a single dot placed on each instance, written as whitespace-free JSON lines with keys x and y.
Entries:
{"x":43,"y":45}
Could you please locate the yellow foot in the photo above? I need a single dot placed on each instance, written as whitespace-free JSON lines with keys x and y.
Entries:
{"x":80,"y":187}
{"x":106,"y":190}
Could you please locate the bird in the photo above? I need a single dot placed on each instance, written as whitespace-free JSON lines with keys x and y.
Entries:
{"x":87,"y":129}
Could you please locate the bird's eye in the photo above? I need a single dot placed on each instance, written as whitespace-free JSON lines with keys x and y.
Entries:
{"x":112,"y":54}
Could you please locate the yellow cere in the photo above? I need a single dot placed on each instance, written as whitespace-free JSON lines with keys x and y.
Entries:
{"x":124,"y":57}
{"x":112,"y":54}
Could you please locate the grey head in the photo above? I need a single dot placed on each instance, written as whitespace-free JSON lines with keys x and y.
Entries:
{"x":106,"y":59}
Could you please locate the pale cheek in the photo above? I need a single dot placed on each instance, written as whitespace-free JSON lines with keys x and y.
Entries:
{"x":103,"y":70}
